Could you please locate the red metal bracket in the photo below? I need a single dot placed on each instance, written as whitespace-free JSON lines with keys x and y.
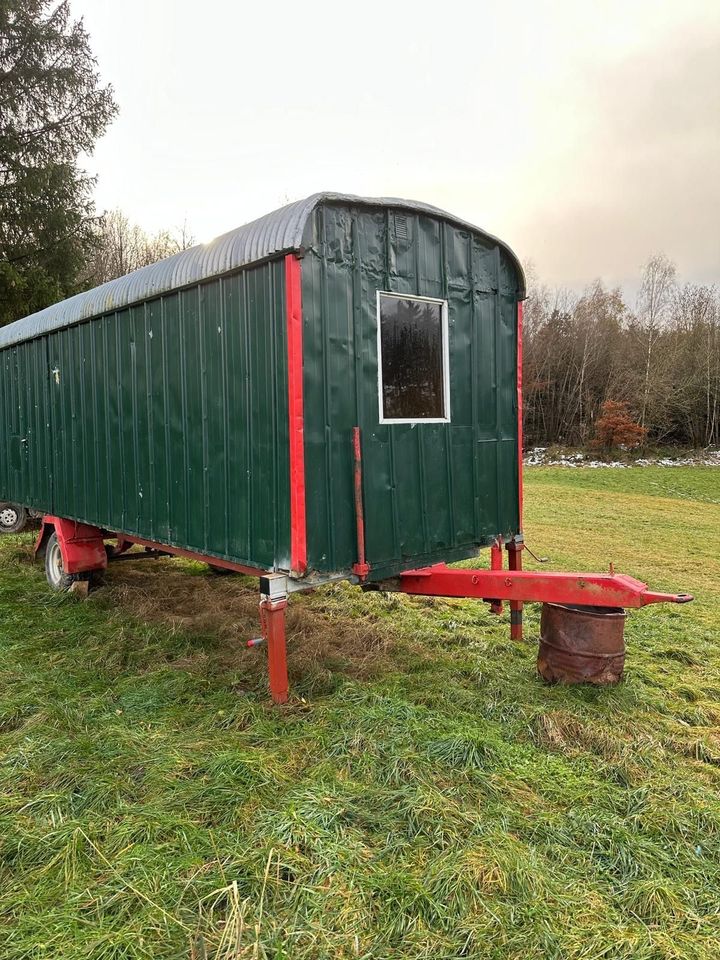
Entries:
{"x":526,"y":586}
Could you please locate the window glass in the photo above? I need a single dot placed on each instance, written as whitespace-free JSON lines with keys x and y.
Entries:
{"x":412,"y":358}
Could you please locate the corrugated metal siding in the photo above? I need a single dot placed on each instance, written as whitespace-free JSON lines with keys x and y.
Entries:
{"x":168,"y":419}
{"x":278,"y":232}
{"x":24,"y":434}
{"x":432,"y":491}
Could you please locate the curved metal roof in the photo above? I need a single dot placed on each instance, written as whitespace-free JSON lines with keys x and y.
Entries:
{"x":279,"y":232}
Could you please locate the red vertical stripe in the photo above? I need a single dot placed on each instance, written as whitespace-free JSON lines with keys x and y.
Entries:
{"x":298,"y":525}
{"x":520,"y":409}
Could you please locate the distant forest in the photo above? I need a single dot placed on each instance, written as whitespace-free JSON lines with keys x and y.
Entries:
{"x":650,"y":372}
{"x":589,"y":360}
{"x":597,"y":370}
{"x":590,"y":354}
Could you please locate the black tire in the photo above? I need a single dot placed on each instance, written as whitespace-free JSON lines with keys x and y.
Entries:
{"x":13,"y":518}
{"x":54,"y":569}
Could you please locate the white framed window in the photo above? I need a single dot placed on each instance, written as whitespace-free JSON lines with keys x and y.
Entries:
{"x":413,"y":359}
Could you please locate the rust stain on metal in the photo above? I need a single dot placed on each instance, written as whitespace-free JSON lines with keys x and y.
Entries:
{"x":581,"y":644}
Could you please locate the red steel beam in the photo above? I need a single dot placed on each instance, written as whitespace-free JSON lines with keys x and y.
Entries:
{"x":527,"y":586}
{"x":126,"y":538}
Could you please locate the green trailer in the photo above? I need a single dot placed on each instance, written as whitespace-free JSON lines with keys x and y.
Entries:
{"x":208,"y":401}
{"x":329,"y":392}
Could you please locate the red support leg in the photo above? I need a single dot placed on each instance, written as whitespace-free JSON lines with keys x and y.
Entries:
{"x":514,"y":550}
{"x":496,"y":563}
{"x":272,"y":618}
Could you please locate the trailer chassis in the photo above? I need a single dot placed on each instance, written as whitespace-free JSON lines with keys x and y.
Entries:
{"x":84,"y":550}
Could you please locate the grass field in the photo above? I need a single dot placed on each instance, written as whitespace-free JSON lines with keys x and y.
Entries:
{"x":423,"y":796}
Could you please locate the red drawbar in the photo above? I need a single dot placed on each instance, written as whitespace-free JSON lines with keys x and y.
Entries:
{"x":587,"y":589}
{"x":520,"y":410}
{"x":298,"y":525}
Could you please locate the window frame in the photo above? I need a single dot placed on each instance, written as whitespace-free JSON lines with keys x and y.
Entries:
{"x":445,"y":333}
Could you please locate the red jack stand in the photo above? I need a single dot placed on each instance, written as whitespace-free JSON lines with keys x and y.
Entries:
{"x":273,"y":603}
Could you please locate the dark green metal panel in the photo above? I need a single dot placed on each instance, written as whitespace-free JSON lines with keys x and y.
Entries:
{"x":24,"y":437}
{"x":431,"y":491}
{"x":167,"y":419}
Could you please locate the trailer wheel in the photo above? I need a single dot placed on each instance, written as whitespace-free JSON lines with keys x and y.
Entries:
{"x":13,"y":519}
{"x":54,"y":569}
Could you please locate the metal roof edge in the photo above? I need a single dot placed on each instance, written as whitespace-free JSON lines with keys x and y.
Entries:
{"x":417,"y":206}
{"x":273,"y":234}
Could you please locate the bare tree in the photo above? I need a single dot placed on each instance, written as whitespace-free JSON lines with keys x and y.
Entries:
{"x":695,"y":397}
{"x":662,"y":363}
{"x":122,"y":247}
{"x":653,"y":307}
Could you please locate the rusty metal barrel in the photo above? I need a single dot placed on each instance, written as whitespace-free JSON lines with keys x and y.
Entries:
{"x":580,"y":644}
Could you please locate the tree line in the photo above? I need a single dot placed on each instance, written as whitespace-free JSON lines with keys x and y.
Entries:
{"x":53,"y":109}
{"x":660,"y":360}
{"x":595,"y":369}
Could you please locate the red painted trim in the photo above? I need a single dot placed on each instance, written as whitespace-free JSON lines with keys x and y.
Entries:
{"x":124,"y":539}
{"x":298,"y":521}
{"x":520,"y":409}
{"x":362,"y":567}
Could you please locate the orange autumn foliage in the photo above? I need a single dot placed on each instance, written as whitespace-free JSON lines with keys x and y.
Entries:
{"x":615,"y":427}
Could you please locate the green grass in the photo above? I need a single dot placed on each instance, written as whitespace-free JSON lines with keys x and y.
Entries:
{"x":423,"y":796}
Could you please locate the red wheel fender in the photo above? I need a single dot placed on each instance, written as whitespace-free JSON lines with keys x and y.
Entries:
{"x":82,"y":546}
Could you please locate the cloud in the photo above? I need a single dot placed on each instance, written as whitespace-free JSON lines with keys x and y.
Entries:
{"x":645,"y":176}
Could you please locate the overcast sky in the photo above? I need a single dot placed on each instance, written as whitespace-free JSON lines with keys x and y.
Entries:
{"x":586,"y":133}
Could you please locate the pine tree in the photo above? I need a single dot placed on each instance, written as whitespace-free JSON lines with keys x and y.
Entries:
{"x":52,"y":109}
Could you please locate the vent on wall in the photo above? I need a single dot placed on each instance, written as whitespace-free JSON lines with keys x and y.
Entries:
{"x":401,"y":226}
